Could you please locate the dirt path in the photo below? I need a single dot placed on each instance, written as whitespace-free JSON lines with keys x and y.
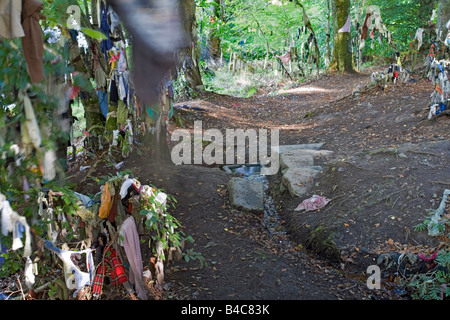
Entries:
{"x":244,"y":260}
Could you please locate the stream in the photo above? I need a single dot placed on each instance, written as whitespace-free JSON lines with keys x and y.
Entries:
{"x":271,"y":220}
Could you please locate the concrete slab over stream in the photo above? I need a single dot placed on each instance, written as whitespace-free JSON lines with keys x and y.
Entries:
{"x":246,"y":195}
{"x":297,"y":165}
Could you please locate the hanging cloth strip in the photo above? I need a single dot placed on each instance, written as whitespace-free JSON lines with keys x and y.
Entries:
{"x":123,"y":85}
{"x":113,"y":92}
{"x":11,"y":221}
{"x":115,"y":21}
{"x":31,"y":122}
{"x":32,"y":42}
{"x":365,"y":27}
{"x":418,"y":37}
{"x":106,"y":200}
{"x":132,"y":248}
{"x":112,"y":264}
{"x":10,"y":20}
{"x":346,"y":27}
{"x":75,"y":278}
{"x":103,"y":101}
{"x":122,"y":63}
{"x":104,"y":27}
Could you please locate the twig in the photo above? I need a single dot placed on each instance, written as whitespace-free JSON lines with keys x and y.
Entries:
{"x":20,"y":286}
{"x":393,"y":205}
{"x":441,"y":182}
{"x":398,"y":191}
{"x":345,"y":289}
{"x":44,"y":286}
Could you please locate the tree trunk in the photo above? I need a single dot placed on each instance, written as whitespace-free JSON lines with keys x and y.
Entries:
{"x":191,"y":54}
{"x":342,"y":49}
{"x":443,"y":16}
{"x":213,"y":38}
{"x":327,"y":40}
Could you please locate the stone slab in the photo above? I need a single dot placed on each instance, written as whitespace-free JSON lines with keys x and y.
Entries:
{"x":290,"y":147}
{"x":246,"y":195}
{"x":295,"y":160}
{"x":298,"y":180}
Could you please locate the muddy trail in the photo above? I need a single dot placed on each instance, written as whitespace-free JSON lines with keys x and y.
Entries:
{"x":388,"y":165}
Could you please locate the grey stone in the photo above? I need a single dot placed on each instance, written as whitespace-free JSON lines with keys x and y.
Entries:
{"x":299,"y":180}
{"x":290,"y":147}
{"x":298,"y":155}
{"x":246,"y":195}
{"x":295,"y":160}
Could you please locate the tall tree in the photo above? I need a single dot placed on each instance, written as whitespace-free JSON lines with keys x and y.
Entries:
{"x":342,"y":50}
{"x":190,"y":55}
{"x":213,"y":38}
{"x":327,"y":39}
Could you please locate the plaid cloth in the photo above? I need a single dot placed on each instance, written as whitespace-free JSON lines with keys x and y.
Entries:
{"x":114,"y":266}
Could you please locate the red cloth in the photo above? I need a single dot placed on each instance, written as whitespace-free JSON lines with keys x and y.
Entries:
{"x":114,"y":266}
{"x":428,"y":259}
{"x":113,"y":212}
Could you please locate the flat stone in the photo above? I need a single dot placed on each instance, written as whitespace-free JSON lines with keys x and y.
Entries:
{"x":246,"y":195}
{"x":299,"y":180}
{"x":295,"y":160}
{"x":298,"y":155}
{"x":290,"y":147}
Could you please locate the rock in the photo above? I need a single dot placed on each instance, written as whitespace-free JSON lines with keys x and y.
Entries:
{"x":246,"y":195}
{"x":298,"y":180}
{"x":290,"y":147}
{"x":295,"y":159}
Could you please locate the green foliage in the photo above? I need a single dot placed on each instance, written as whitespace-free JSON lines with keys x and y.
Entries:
{"x":434,"y":285}
{"x":13,"y":261}
{"x":402,"y":18}
{"x":94,"y":34}
{"x":254,"y":29}
{"x":164,"y":228}
{"x":181,"y":89}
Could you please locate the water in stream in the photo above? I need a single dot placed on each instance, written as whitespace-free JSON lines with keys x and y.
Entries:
{"x":271,"y":220}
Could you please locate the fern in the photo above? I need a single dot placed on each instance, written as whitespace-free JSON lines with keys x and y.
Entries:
{"x":434,"y":285}
{"x":422,"y":226}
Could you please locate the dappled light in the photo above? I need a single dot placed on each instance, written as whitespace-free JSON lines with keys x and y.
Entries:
{"x":306,"y":90}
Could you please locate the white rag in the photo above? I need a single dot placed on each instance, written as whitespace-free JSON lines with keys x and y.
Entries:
{"x":418,"y":37}
{"x":124,"y":188}
{"x":9,"y":221}
{"x":346,"y":26}
{"x":75,"y":278}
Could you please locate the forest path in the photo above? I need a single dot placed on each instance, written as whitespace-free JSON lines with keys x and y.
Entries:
{"x":246,"y":260}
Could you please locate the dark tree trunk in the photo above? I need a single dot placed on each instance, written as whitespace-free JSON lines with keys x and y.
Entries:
{"x":328,"y":30}
{"x":190,"y":55}
{"x":213,"y":38}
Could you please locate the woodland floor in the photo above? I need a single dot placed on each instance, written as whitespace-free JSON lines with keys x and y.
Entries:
{"x":378,"y":195}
